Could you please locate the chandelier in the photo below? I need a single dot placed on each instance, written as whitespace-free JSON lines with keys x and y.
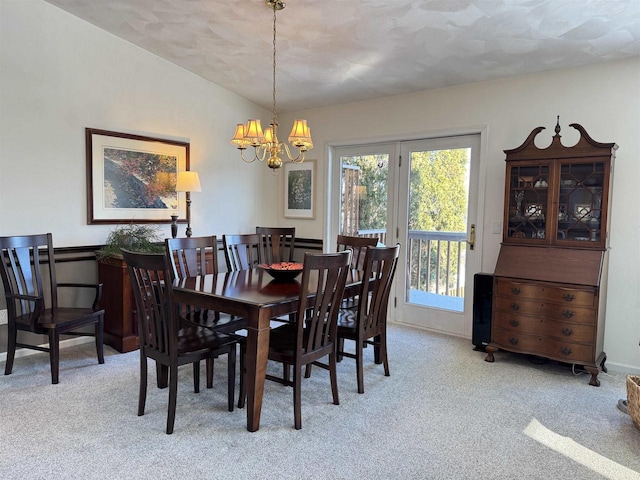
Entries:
{"x":266,"y":142}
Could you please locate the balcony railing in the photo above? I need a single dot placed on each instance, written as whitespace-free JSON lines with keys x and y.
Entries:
{"x":436,"y":260}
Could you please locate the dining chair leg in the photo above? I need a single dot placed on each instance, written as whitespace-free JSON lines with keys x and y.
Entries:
{"x":383,"y":353}
{"x":376,"y":350}
{"x":54,"y":354}
{"x":209,"y":365}
{"x":333,"y":375}
{"x":340,"y":349}
{"x":99,"y":334}
{"x":242,"y":395}
{"x":142,"y":396}
{"x":297,"y":397}
{"x":173,"y":396}
{"x":196,"y":377}
{"x":12,"y":334}
{"x":231,"y":377}
{"x":307,"y":371}
{"x":359,"y":365}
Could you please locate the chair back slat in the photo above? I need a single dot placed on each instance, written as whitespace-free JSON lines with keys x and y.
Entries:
{"x":242,"y":252}
{"x":358,"y":245}
{"x":150,"y":277}
{"x":188,"y":256}
{"x":277,"y":243}
{"x":379,"y":270}
{"x":321,"y":315}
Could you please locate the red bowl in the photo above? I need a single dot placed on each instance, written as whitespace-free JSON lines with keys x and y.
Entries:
{"x":283,"y":271}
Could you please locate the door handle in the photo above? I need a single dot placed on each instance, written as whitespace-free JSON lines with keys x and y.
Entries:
{"x":472,"y":237}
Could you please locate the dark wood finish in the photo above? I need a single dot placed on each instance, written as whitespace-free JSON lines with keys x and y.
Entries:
{"x":551,"y":272}
{"x":161,"y":337}
{"x":242,"y":252}
{"x":120,"y":324}
{"x":312,"y":340}
{"x":552,"y":264}
{"x":31,"y":309}
{"x":192,"y":256}
{"x":277,"y":243}
{"x":358,"y":247}
{"x":368,"y":326}
{"x":253,"y":295}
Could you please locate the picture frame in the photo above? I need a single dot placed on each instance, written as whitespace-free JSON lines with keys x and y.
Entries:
{"x":132,"y":178}
{"x":299,"y":189}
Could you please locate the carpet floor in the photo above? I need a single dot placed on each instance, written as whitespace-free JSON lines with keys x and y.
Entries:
{"x":443,"y":413}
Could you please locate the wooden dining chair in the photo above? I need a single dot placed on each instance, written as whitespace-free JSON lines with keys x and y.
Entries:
{"x":358,"y":247}
{"x":368,"y":324}
{"x":162,"y":337}
{"x":192,"y":256}
{"x":309,"y":341}
{"x":277,"y":243}
{"x":32,"y":305}
{"x":242,"y":252}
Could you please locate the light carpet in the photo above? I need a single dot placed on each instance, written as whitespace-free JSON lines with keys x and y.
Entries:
{"x":443,"y":413}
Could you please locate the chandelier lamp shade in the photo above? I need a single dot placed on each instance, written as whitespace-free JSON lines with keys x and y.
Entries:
{"x":266,"y":143}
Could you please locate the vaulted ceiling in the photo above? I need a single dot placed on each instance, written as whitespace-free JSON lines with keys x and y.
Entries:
{"x":333,"y":52}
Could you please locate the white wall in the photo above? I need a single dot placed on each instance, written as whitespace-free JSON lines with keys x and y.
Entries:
{"x":604,"y":99}
{"x":60,"y":74}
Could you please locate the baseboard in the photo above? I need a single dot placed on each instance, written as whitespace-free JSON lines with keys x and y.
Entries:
{"x":622,"y":368}
{"x":25,"y":352}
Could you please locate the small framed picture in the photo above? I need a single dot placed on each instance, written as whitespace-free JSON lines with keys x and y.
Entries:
{"x":299,"y":189}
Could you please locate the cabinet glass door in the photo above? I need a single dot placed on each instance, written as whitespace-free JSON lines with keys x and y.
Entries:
{"x":580,"y":202}
{"x":528,"y":202}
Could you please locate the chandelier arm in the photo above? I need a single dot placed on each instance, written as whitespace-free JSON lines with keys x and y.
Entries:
{"x":261,"y":152}
{"x":297,"y":159}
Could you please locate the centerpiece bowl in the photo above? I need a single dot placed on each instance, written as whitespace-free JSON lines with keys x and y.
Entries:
{"x":282,"y":271}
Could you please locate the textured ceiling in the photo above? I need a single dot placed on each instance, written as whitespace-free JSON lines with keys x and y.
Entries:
{"x":333,"y":52}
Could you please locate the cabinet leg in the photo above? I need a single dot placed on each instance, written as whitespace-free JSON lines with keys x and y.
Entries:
{"x":594,"y":371}
{"x":490,"y":351}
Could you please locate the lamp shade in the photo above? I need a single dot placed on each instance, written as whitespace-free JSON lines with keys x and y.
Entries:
{"x":188,"y":182}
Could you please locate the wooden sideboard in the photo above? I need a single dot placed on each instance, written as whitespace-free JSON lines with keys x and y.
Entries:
{"x":120,"y":323}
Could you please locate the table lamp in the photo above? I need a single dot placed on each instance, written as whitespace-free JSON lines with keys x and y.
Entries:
{"x":188,"y":182}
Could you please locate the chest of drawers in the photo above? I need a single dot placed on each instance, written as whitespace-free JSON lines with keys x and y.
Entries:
{"x":546,"y":317}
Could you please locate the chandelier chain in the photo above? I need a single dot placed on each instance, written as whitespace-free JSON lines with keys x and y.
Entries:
{"x":274,"y":114}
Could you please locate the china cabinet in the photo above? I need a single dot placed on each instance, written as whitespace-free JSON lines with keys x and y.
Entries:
{"x":550,"y":278}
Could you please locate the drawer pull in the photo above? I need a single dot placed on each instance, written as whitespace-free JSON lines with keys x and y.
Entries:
{"x":514,"y":322}
{"x":515,"y":291}
{"x":567,"y":332}
{"x":568,"y":297}
{"x":567,"y":313}
{"x":565,"y":351}
{"x":515,"y":306}
{"x":513,"y":340}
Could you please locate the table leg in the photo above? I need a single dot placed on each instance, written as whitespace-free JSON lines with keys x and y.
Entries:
{"x":256,"y":365}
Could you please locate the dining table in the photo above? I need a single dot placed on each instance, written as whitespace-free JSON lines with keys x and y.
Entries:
{"x":255,"y":296}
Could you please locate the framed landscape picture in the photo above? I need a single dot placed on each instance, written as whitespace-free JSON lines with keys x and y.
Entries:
{"x":132,"y":178}
{"x":299,"y":189}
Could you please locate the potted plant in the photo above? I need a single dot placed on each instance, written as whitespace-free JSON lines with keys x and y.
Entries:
{"x":120,"y":326}
{"x":137,"y":238}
